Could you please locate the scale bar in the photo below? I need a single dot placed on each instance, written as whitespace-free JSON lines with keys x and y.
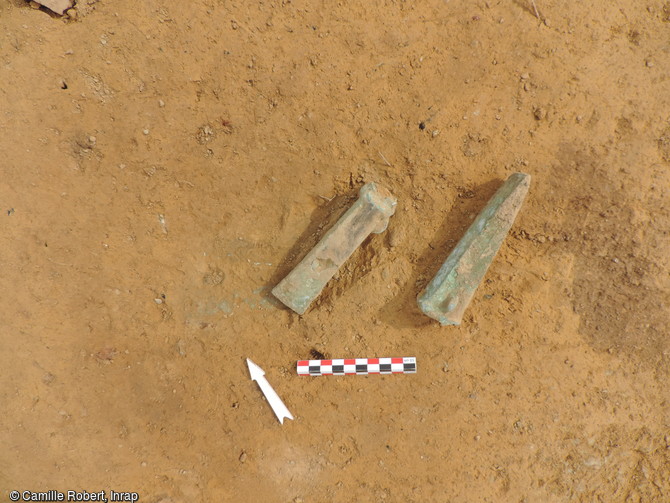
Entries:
{"x":357,"y":366}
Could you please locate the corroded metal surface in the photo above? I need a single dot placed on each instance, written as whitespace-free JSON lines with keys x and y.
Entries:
{"x":369,"y":214}
{"x":448,"y":294}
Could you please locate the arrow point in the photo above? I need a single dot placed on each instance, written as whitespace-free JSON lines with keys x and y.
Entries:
{"x":287,"y":415}
{"x":254,"y":370}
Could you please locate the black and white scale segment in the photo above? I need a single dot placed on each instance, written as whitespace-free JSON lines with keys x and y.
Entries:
{"x":357,"y":366}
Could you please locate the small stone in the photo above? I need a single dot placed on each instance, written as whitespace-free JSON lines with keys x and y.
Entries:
{"x":106,"y":355}
{"x":181,"y":347}
{"x":161,"y":103}
{"x":158,"y":301}
{"x":541,"y":239}
{"x":539,"y":113}
{"x":145,"y":131}
{"x":395,"y":237}
{"x":435,"y":132}
{"x":35,"y":5}
{"x":243,"y":457}
{"x":92,"y":140}
{"x":72,"y":14}
{"x":649,"y":63}
{"x":525,"y":76}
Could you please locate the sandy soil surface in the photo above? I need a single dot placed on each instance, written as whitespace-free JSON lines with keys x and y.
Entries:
{"x":165,"y":164}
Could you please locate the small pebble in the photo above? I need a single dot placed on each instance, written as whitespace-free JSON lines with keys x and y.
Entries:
{"x":161,"y":103}
{"x":145,"y":131}
{"x":540,"y":113}
{"x":395,"y":237}
{"x":649,"y":63}
{"x":435,"y":132}
{"x":243,"y":457}
{"x":158,"y":301}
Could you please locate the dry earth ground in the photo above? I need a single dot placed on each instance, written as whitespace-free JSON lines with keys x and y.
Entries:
{"x":164,"y":164}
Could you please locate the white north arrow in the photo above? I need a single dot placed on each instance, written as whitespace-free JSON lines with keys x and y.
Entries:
{"x":273,"y":399}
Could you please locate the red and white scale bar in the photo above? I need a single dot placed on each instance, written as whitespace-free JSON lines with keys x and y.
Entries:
{"x":357,"y":366}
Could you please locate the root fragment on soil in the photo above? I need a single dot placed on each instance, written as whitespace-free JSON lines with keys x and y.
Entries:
{"x":537,"y":14}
